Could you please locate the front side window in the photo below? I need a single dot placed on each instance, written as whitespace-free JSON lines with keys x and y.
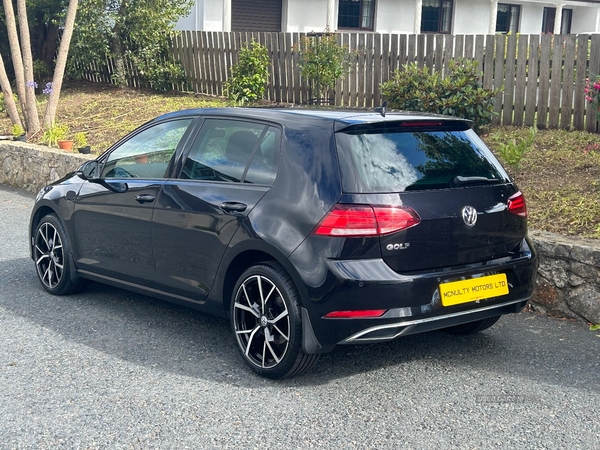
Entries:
{"x":148,"y":153}
{"x":436,"y":16}
{"x":356,"y":14}
{"x":507,"y":20}
{"x":234,"y":151}
{"x":550,"y":16}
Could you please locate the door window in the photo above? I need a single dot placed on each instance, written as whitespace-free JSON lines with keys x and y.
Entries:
{"x":234,"y":151}
{"x":148,"y":153}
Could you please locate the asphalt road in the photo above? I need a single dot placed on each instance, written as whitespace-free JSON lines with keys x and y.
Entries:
{"x":109,"y":369}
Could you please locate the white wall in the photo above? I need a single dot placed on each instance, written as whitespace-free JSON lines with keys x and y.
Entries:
{"x":195,"y":20}
{"x":395,"y":16}
{"x":532,"y":15}
{"x":304,"y":16}
{"x":471,"y":16}
{"x":585,"y":20}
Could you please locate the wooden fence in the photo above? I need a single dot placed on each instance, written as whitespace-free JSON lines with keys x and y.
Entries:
{"x":543,"y":76}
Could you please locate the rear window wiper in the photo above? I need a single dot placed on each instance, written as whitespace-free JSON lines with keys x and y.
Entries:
{"x":461,"y":181}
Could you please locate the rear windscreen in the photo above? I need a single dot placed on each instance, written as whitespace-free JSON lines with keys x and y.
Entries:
{"x":390,"y":161}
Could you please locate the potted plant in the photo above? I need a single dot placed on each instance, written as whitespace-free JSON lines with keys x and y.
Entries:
{"x":56,"y":136}
{"x":18,"y":133}
{"x":80,"y":142}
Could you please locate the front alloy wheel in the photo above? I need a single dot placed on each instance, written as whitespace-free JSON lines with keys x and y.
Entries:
{"x":266,"y":322}
{"x":50,"y":253}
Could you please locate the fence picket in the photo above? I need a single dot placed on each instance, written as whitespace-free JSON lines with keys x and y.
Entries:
{"x":532,"y":80}
{"x":521,"y":80}
{"x":556,"y":72}
{"x":544,"y":81}
{"x":567,"y":84}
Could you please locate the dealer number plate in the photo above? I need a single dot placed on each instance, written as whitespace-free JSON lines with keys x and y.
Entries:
{"x":465,"y":291}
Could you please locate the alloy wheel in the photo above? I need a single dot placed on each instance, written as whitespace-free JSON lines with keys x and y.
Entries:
{"x":261,"y":322}
{"x":49,"y":255}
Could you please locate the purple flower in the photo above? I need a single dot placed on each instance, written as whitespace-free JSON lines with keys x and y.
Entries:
{"x":48,"y":89}
{"x":31,"y":84}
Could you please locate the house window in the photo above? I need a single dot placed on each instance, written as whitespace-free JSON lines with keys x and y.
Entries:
{"x":436,"y":16}
{"x":549,"y":18}
{"x":507,"y":20}
{"x":356,"y":14}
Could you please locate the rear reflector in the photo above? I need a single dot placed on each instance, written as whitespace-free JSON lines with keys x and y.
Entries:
{"x":366,"y":220}
{"x":517,"y":205}
{"x":364,"y":313}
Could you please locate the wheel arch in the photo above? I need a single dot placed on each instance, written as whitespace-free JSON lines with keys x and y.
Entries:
{"x":36,"y":217}
{"x":237,"y":263}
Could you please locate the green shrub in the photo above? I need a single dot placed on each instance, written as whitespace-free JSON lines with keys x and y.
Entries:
{"x":323,"y":62}
{"x":164,"y":76}
{"x":513,"y":150}
{"x":459,"y":94}
{"x":250,"y":75}
{"x":57,"y":132}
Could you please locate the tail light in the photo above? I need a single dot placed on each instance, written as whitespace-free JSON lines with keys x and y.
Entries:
{"x":517,"y":205}
{"x":366,"y":220}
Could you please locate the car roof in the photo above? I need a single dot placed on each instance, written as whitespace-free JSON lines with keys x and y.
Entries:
{"x":290,"y":116}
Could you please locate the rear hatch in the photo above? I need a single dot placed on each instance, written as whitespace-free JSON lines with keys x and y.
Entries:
{"x":468,"y":209}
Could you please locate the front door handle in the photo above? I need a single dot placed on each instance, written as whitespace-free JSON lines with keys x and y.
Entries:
{"x":233,"y":207}
{"x":145,"y":198}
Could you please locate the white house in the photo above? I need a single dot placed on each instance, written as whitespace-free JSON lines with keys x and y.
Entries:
{"x":396,"y":16}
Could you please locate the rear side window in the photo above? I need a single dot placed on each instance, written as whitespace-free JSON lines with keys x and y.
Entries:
{"x":234,"y":151}
{"x":390,"y":161}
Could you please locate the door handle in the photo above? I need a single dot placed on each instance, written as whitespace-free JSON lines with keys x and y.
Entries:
{"x":233,"y":207}
{"x":145,"y":198}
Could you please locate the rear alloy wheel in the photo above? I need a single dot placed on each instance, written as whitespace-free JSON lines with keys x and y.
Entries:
{"x":50,"y":253}
{"x":472,"y":327}
{"x":266,"y":322}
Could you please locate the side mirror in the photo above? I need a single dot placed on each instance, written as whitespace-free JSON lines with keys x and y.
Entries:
{"x":89,"y":171}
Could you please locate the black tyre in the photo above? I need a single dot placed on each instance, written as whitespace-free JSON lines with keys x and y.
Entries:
{"x":51,"y":255}
{"x":266,"y":322}
{"x":472,"y":327}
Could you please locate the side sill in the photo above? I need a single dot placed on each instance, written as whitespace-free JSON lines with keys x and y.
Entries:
{"x":145,"y":290}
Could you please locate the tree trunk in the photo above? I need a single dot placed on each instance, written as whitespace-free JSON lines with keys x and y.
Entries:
{"x":61,"y":62}
{"x":9,"y":100}
{"x":15,"y":52}
{"x":33,"y":120}
{"x":117,"y":49}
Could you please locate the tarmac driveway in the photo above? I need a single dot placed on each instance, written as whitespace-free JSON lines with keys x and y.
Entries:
{"x":110,"y":369}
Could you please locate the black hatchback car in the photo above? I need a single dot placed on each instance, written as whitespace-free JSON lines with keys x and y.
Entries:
{"x":307,"y":228}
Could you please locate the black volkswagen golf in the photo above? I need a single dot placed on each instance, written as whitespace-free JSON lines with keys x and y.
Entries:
{"x":307,"y":228}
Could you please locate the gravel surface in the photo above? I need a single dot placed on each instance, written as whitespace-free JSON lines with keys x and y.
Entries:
{"x":110,"y":369}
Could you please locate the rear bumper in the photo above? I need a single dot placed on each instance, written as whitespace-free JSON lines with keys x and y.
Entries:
{"x":382,"y":333}
{"x":412,"y":301}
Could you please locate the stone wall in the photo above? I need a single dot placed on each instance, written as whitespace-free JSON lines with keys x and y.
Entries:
{"x":568,"y":279}
{"x":30,"y":167}
{"x":568,"y":282}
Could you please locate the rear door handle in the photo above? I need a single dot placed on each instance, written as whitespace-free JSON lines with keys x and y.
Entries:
{"x":233,"y":207}
{"x":145,"y":198}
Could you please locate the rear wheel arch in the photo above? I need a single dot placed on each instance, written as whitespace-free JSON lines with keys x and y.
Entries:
{"x":236,"y":267}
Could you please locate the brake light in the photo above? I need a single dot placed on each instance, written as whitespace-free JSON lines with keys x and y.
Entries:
{"x":366,"y":220}
{"x":516,"y":205}
{"x":357,"y":314}
{"x":422,"y":123}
